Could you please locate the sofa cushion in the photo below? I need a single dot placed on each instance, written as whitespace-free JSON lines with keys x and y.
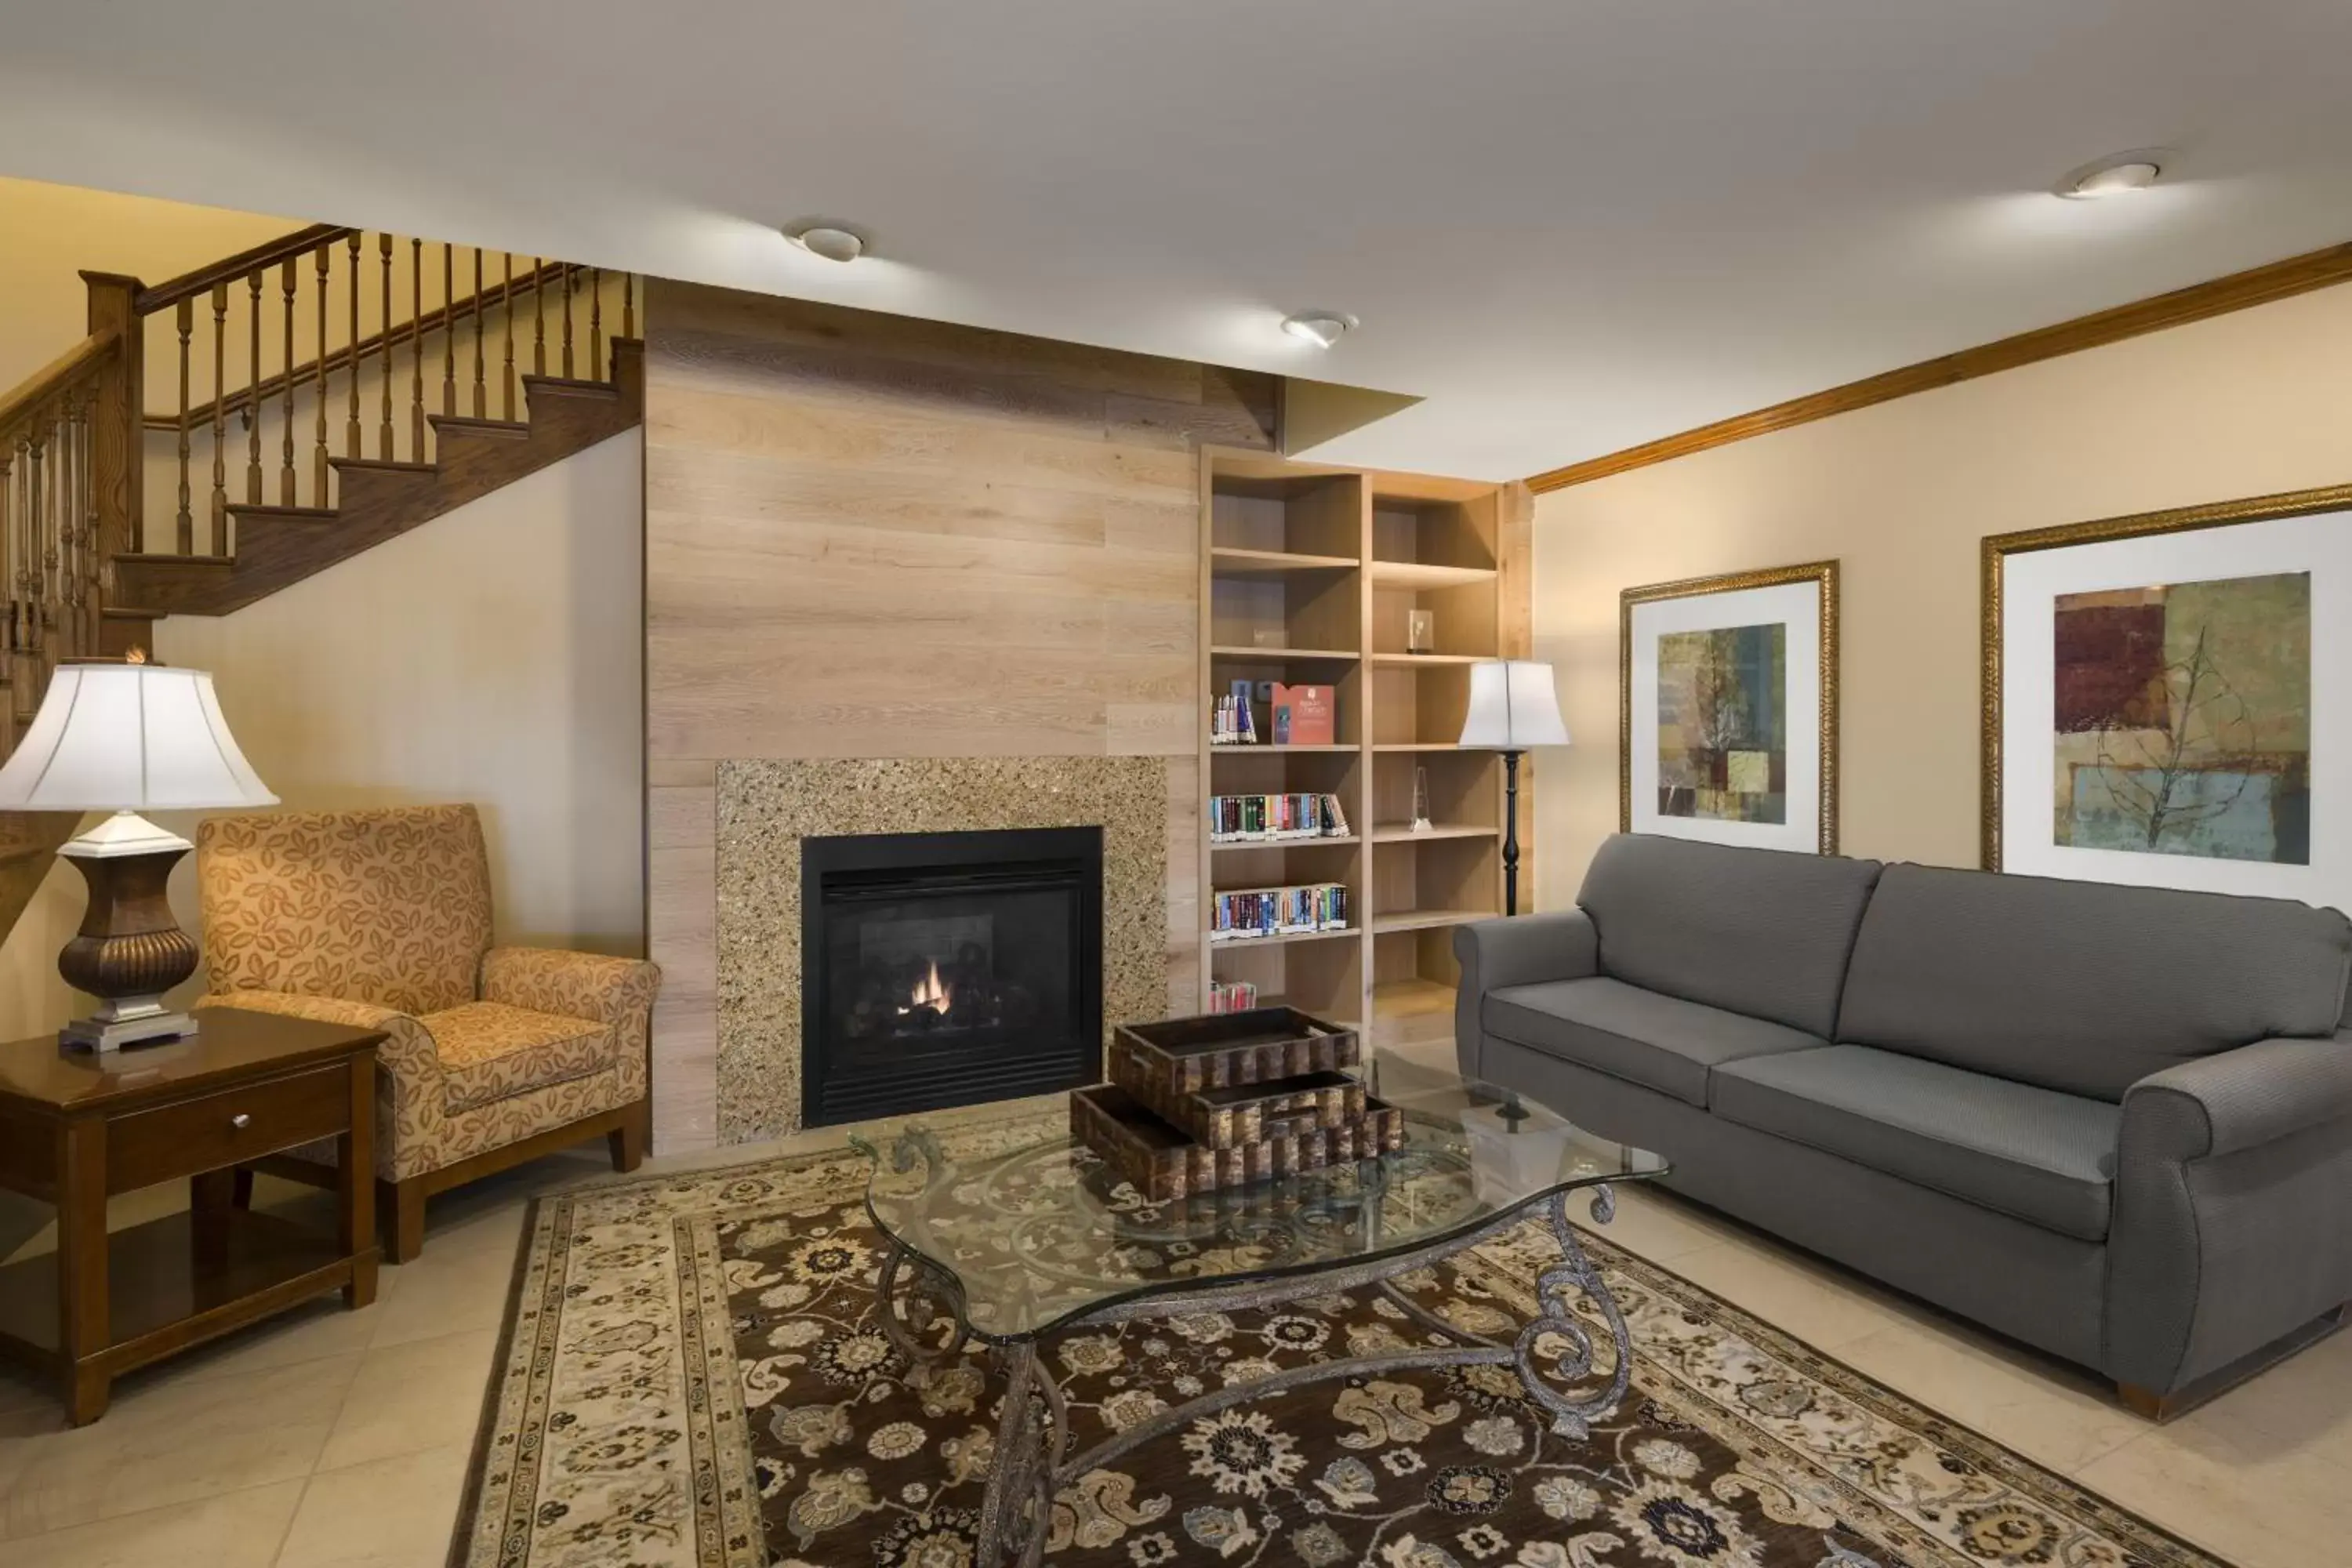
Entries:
{"x":490,"y":1052}
{"x":1761,"y":932}
{"x":2032,"y":1153}
{"x":2084,"y":987}
{"x":1660,"y":1042}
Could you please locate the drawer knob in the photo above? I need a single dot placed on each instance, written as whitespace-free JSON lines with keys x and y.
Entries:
{"x":240,"y":1122}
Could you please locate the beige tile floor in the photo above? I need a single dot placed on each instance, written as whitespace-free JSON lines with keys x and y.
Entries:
{"x":330,"y":1439}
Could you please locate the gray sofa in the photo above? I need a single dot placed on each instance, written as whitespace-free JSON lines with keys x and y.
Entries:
{"x":2113,"y":1122}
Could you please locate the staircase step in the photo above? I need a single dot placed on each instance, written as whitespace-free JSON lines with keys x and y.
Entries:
{"x":279,"y":515}
{"x":568,"y":387}
{"x":465,"y":425}
{"x":153,"y":558}
{"x":379,"y":465}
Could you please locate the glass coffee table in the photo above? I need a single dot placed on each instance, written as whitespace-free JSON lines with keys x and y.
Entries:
{"x":1048,"y":1237}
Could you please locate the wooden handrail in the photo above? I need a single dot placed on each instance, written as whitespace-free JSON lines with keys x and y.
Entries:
{"x":339,"y":360}
{"x":59,"y":373}
{"x":188,"y":285}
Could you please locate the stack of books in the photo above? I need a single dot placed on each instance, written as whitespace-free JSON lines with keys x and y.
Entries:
{"x":1244,"y":819}
{"x":1254,"y":912}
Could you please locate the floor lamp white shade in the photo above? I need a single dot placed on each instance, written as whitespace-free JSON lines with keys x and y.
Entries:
{"x":1512,"y":706}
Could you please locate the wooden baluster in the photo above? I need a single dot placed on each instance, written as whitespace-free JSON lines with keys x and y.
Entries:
{"x":538,"y":311}
{"x":481,"y":389}
{"x":64,"y":440}
{"x":415,"y":350}
{"x":448,"y":331}
{"x":36,"y":583}
{"x":628,"y":304}
{"x":252,"y":402}
{"x":286,"y":281}
{"x":595,"y":324}
{"x":352,"y":348}
{"x":183,"y":534}
{"x":384,"y":430}
{"x":567,"y":323}
{"x":319,"y":470}
{"x":506,"y":309}
{"x":220,"y":417}
{"x":8,"y":558}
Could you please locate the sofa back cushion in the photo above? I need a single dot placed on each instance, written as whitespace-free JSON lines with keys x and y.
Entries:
{"x":2084,"y":987}
{"x":1761,"y":932}
{"x":390,"y":906}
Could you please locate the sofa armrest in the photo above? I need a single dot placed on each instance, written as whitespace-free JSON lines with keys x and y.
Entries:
{"x":2232,"y":1220}
{"x":574,"y":985}
{"x":1520,"y":950}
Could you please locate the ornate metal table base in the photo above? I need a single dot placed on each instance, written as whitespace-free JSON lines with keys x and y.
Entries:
{"x":1032,"y":1460}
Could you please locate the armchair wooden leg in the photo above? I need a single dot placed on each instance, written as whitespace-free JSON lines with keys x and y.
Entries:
{"x":399,"y":1211}
{"x":627,"y":1141}
{"x":2147,"y":1404}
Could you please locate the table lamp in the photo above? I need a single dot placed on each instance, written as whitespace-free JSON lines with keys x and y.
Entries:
{"x":128,"y":738}
{"x":1512,"y":708}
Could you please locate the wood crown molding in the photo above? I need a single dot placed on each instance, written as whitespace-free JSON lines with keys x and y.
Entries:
{"x":2216,"y":297}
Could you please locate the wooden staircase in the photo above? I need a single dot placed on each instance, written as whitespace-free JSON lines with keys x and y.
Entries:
{"x":85,"y":570}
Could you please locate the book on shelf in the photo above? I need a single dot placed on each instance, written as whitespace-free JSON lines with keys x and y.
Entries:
{"x":1304,"y":715}
{"x":1275,"y":818}
{"x":1231,"y":995}
{"x":1252,"y":912}
{"x":1234,"y":721}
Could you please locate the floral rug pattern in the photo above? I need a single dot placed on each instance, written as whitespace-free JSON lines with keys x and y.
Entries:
{"x":694,"y":1376}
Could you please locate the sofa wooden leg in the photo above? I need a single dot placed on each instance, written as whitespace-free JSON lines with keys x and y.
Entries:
{"x":399,"y":1211}
{"x":2147,"y":1404}
{"x":627,"y":1141}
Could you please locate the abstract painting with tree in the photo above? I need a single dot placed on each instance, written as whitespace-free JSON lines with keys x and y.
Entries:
{"x":2183,"y":721}
{"x":1723,"y":725}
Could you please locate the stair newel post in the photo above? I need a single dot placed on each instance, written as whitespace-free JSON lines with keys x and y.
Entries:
{"x":353,"y":446}
{"x":93,"y":559}
{"x":252,"y":401}
{"x":415,"y":350}
{"x":220,"y":417}
{"x":287,"y":280}
{"x":481,"y":389}
{"x":183,"y":529}
{"x":449,"y":329}
{"x":539,"y":313}
{"x":595,"y":324}
{"x":628,"y":304}
{"x":567,"y":274}
{"x":7,"y":561}
{"x":326,"y":255}
{"x":383,"y":429}
{"x":120,"y":435}
{"x":506,"y":314}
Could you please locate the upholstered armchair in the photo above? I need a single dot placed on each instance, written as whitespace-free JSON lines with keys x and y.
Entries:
{"x":381,"y":920}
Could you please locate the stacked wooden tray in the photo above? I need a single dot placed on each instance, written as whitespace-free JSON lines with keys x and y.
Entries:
{"x":1198,"y":1104}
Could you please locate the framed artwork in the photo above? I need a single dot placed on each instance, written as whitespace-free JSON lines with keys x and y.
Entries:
{"x":1727,"y":708}
{"x":2165,"y":700}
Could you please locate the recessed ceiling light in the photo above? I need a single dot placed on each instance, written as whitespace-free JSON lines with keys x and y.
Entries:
{"x":833,"y":241}
{"x":1321,"y":328}
{"x":2113,"y":176}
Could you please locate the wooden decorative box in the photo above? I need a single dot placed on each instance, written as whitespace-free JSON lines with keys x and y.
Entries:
{"x":1195,"y":1104}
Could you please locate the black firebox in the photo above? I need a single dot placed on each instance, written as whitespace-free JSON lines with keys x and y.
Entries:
{"x":943,"y":969}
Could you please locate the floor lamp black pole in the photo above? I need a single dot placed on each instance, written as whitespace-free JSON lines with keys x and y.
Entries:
{"x":1510,"y":833}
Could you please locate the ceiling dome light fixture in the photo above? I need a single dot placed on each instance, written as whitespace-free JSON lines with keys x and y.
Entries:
{"x":2115,"y":175}
{"x":1321,"y":328}
{"x":833,"y":241}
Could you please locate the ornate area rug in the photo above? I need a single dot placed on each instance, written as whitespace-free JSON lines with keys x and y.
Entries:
{"x":692,"y":1376}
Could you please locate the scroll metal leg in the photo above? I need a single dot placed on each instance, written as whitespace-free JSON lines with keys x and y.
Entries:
{"x":1573,"y":1417}
{"x":905,"y":1334}
{"x":1020,"y":1454}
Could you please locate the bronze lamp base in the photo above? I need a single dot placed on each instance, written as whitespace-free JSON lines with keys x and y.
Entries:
{"x":130,"y":950}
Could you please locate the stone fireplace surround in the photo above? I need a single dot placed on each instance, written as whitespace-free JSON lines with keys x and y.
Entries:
{"x":765,"y":809}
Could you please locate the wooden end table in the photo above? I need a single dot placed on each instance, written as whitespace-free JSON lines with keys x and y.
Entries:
{"x":77,"y":1127}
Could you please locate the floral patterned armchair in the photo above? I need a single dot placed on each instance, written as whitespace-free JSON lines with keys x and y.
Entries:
{"x":381,"y":920}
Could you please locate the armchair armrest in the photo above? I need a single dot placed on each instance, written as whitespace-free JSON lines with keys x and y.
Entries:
{"x":576,"y":985}
{"x":410,"y":1063}
{"x":1520,"y":950}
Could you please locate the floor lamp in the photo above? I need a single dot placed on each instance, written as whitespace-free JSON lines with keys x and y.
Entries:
{"x":1512,"y":709}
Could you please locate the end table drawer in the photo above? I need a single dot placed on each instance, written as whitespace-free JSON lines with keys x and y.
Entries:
{"x":244,"y":1123}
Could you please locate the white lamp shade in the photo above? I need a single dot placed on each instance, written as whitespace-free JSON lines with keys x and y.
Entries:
{"x":1512,"y":706}
{"x":129,"y":737}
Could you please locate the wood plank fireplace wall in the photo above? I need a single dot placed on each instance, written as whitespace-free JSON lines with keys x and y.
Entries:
{"x":869,"y":536}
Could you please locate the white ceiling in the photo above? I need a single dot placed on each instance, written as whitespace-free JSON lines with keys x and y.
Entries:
{"x":1568,"y":226}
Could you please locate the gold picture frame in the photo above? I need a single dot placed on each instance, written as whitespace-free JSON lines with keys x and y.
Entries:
{"x":1998,"y":548}
{"x":1824,"y":575}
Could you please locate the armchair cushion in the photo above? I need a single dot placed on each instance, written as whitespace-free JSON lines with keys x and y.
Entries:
{"x":490,"y":1051}
{"x":390,"y":906}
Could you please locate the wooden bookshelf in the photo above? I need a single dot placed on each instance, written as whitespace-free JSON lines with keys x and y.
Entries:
{"x":1308,"y":574}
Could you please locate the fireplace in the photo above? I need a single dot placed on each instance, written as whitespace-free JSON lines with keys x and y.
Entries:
{"x":945,"y":969}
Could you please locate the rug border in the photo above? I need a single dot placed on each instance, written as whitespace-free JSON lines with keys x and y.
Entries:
{"x":462,"y":1532}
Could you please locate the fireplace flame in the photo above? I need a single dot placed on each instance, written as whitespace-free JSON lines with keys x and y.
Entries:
{"x":929,"y":992}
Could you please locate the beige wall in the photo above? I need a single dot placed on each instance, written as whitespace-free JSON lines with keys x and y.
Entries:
{"x":492,"y":655}
{"x":2243,"y":404}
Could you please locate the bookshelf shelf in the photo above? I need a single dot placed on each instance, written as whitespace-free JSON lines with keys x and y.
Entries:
{"x":1330,"y":568}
